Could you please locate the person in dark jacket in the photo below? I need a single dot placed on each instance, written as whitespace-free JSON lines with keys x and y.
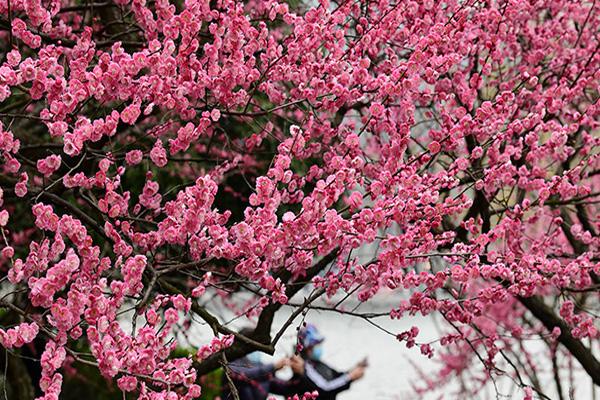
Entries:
{"x":316,"y":374}
{"x":254,"y":380}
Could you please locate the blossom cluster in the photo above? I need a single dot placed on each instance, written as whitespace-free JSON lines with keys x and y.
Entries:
{"x":158,"y":159}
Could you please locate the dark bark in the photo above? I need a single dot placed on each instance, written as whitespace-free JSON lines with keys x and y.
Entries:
{"x":546,"y":316}
{"x":262,"y":332}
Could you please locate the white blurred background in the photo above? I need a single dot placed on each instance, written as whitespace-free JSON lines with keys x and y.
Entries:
{"x":393,"y":369}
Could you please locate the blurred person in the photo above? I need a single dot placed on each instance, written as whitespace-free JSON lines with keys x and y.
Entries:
{"x":254,"y":380}
{"x":311,"y":373}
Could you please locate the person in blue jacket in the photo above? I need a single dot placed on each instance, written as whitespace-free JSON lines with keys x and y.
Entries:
{"x":317,"y":375}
